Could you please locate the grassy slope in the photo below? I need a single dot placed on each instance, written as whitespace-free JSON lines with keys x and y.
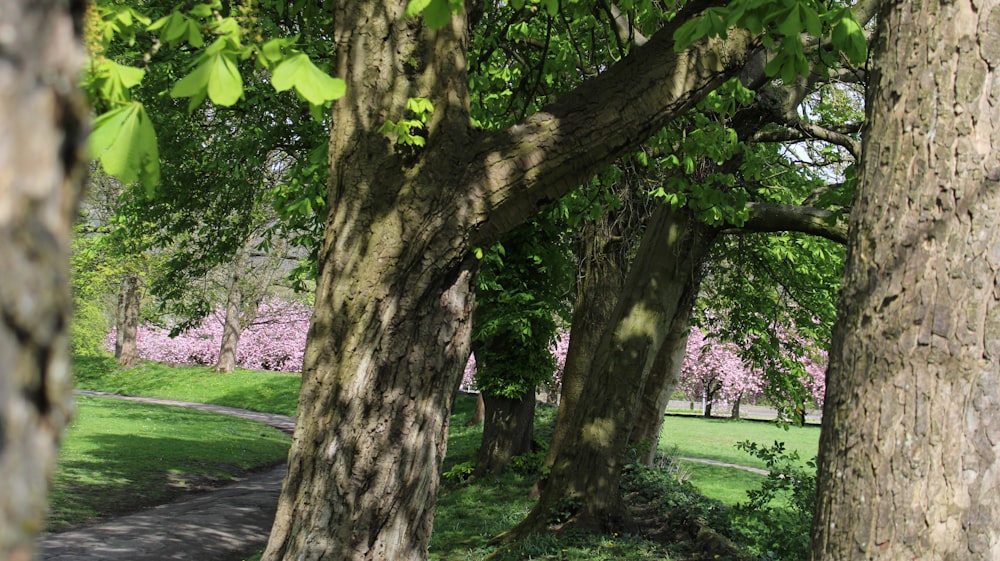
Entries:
{"x":119,"y":457}
{"x":273,"y":392}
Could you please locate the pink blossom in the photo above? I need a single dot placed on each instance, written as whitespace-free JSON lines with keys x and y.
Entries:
{"x":274,"y":341}
{"x":714,"y":371}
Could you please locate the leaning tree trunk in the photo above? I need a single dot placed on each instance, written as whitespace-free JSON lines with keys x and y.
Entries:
{"x":232,"y":324}
{"x":127,"y":328}
{"x":666,"y":372}
{"x":908,"y":465}
{"x":603,"y":251}
{"x":588,"y":466}
{"x":390,"y":331}
{"x":479,"y":413}
{"x":42,"y":123}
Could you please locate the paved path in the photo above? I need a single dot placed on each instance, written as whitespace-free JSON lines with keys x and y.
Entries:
{"x":224,"y":525}
{"x":758,"y":471}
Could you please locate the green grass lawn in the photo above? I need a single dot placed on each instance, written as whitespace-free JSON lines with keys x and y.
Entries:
{"x":119,"y":457}
{"x":716,"y":439}
{"x":273,"y":392}
{"x":469,"y":514}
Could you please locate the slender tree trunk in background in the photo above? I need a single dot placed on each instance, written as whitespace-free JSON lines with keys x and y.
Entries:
{"x":908,"y":464}
{"x":708,"y":398}
{"x":232,"y":325}
{"x":735,"y":413}
{"x":588,"y":466}
{"x":127,"y":328}
{"x":391,"y":327}
{"x":42,"y":120}
{"x":663,"y":378}
{"x":508,"y":431}
{"x":479,"y":413}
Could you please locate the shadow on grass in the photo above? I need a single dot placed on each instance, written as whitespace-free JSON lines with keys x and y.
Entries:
{"x":123,"y":457}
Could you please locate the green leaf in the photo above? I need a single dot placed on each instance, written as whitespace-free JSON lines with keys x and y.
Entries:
{"x":316,"y":86}
{"x":201,"y":10}
{"x":216,"y":75}
{"x":791,"y":26}
{"x":124,"y":141}
{"x":812,"y":22}
{"x":437,"y":14}
{"x":415,"y":7}
{"x":225,"y":85}
{"x":849,"y":37}
{"x":689,"y":32}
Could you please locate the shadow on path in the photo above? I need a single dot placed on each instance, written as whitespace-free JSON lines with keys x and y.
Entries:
{"x":226,"y":524}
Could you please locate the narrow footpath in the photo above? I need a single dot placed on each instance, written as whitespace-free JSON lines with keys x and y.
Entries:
{"x":226,"y":524}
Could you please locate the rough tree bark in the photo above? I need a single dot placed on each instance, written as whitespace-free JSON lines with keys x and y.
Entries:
{"x":42,"y":122}
{"x":911,"y":437}
{"x":663,"y":378}
{"x":390,"y":333}
{"x":508,"y":423}
{"x":232,"y":327}
{"x":587,"y":468}
{"x":508,"y":431}
{"x":604,"y":254}
{"x":127,"y":321}
{"x":479,"y":413}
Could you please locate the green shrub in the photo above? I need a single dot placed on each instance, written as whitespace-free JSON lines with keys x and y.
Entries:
{"x":88,"y":328}
{"x":775,"y":522}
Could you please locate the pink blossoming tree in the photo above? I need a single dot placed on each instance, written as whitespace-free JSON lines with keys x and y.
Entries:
{"x":274,"y":341}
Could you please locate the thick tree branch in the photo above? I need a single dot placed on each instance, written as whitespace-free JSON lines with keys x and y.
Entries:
{"x":519,"y":170}
{"x":765,"y":217}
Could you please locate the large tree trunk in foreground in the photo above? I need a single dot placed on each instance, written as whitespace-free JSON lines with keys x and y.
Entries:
{"x":41,"y":119}
{"x":390,"y":332}
{"x":588,"y":466}
{"x":508,"y":431}
{"x":908,"y":465}
{"x":127,"y":328}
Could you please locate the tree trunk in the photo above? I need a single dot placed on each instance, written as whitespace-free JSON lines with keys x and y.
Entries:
{"x":663,"y":378}
{"x":232,"y":325}
{"x":911,"y":435}
{"x":479,"y":413}
{"x":604,"y":253}
{"x":127,"y":329}
{"x":588,"y":466}
{"x":735,"y":413}
{"x":508,"y":431}
{"x":390,"y":331}
{"x":42,"y":120}
{"x":708,"y":397}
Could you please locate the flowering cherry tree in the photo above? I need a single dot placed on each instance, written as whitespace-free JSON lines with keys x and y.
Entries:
{"x":714,"y":373}
{"x":274,"y":341}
